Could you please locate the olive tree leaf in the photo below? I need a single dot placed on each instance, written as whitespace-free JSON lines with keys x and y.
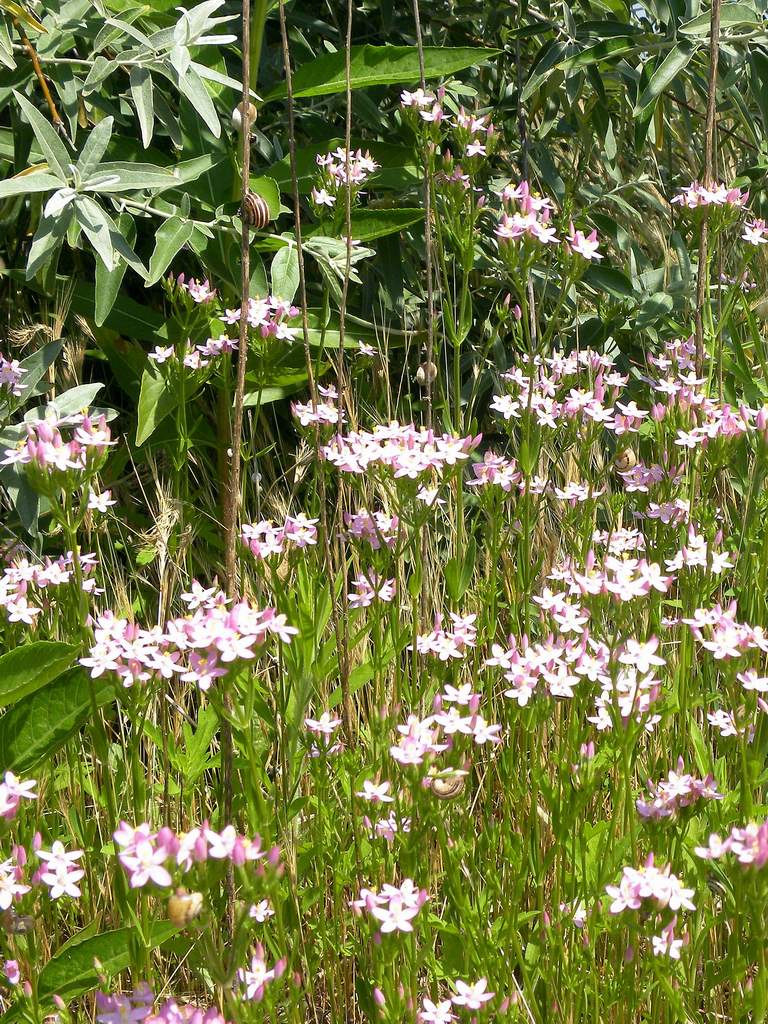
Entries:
{"x":51,"y":144}
{"x":95,"y":147}
{"x":675,"y":61}
{"x":22,"y":184}
{"x":142,"y":92}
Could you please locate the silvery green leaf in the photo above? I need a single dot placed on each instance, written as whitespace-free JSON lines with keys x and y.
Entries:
{"x":101,"y":69}
{"x":131,"y":30}
{"x":21,"y":185}
{"x":193,"y":87}
{"x":58,"y":201}
{"x":104,"y":235}
{"x":216,"y":76}
{"x":54,"y":150}
{"x":180,"y":59}
{"x":142,"y":93}
{"x":6,"y":46}
{"x":118,"y":176}
{"x":48,"y":237}
{"x":95,"y":147}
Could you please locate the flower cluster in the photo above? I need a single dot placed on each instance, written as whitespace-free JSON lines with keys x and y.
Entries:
{"x":146,"y":855}
{"x":22,"y":580}
{"x":408,"y":451}
{"x":12,"y":792}
{"x":525,"y":216}
{"x":255,"y":978}
{"x":677,"y":791}
{"x":46,"y":452}
{"x":749,"y":845}
{"x":394,"y":908}
{"x":137,"y":1006}
{"x":339,"y":169}
{"x":696,"y":194}
{"x":265,"y":539}
{"x":376,"y":528}
{"x":11,"y":374}
{"x":268,"y":317}
{"x":649,"y":883}
{"x":449,"y":643}
{"x":197,"y":648}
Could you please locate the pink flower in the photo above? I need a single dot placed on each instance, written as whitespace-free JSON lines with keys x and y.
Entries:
{"x":472,"y":996}
{"x":584,"y":245}
{"x":436,"y":1013}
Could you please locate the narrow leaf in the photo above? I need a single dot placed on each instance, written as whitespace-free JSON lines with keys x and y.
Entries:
{"x":675,"y":61}
{"x":143,"y":98}
{"x":50,"y":143}
{"x":171,"y":236}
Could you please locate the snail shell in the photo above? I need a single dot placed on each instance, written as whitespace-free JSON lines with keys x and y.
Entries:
{"x":184,"y":907}
{"x":426,"y":372}
{"x":625,"y":461}
{"x":237,"y":117}
{"x":447,"y":787}
{"x":255,"y":210}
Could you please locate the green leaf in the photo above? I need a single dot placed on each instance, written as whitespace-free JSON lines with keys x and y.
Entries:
{"x":284,"y":273}
{"x":95,"y":147}
{"x":192,"y":86}
{"x":108,"y":281}
{"x":269,"y":190}
{"x":156,"y":401}
{"x":26,"y":183}
{"x":50,"y":233}
{"x":119,"y":176}
{"x":54,"y":150}
{"x":142,"y":93}
{"x":606,"y":49}
{"x":730,"y":15}
{"x":41,"y":723}
{"x":379,"y":65}
{"x":104,"y":236}
{"x":609,"y":280}
{"x":369,"y":224}
{"x":71,"y":972}
{"x":171,"y":236}
{"x":32,"y":666}
{"x":675,"y":61}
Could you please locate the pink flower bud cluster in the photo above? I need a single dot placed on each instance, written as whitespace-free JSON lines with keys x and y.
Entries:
{"x":677,"y":791}
{"x":718,"y":632}
{"x":265,"y":539}
{"x":198,"y":648}
{"x":11,"y":374}
{"x":749,"y":845}
{"x":46,"y":450}
{"x":147,"y":855}
{"x":408,"y":451}
{"x":394,"y":908}
{"x":339,"y":169}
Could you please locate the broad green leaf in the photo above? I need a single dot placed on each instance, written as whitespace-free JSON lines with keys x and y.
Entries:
{"x":32,"y":666}
{"x":142,"y":93}
{"x":675,"y":61}
{"x":268,"y":189}
{"x":156,"y":401}
{"x":71,"y":972}
{"x":609,"y":280}
{"x":56,"y":153}
{"x":40,"y":724}
{"x":379,"y":65}
{"x":69,"y":402}
{"x":117,"y":176}
{"x":730,"y":15}
{"x":284,"y":273}
{"x":37,"y":364}
{"x":25,"y":183}
{"x":171,"y":236}
{"x":759,"y":83}
{"x":369,"y":224}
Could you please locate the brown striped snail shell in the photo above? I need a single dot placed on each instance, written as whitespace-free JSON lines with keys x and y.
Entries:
{"x":255,"y":210}
{"x":184,"y":907}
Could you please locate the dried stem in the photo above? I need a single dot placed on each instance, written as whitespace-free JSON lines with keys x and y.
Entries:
{"x":708,"y":177}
